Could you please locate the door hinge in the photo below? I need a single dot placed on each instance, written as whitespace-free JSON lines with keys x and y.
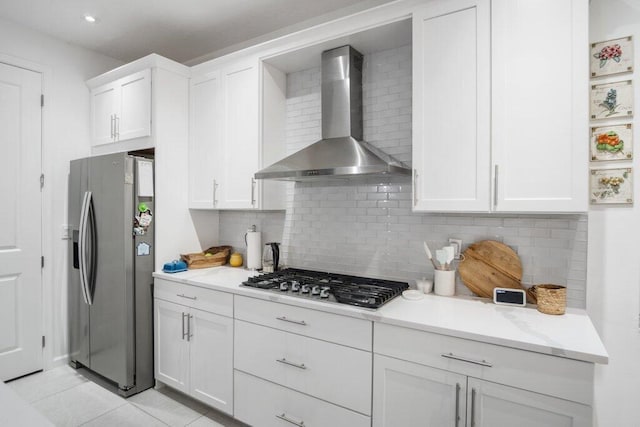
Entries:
{"x":42,"y":261}
{"x":43,"y":341}
{"x":42,"y":100}
{"x":41,"y":181}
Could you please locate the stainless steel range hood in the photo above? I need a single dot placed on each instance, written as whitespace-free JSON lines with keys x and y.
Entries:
{"x":341,"y":151}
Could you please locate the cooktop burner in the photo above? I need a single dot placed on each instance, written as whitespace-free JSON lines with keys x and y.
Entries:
{"x":340,"y":288}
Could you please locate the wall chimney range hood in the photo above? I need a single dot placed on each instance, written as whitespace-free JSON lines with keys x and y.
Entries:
{"x":341,"y":152}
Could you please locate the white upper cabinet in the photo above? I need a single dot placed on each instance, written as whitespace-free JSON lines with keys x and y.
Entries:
{"x":499,"y":121}
{"x":121,"y":110}
{"x":229,"y":141}
{"x":103,"y":107}
{"x":451,"y":100}
{"x":239,"y":151}
{"x":539,"y":109}
{"x":205,"y":116}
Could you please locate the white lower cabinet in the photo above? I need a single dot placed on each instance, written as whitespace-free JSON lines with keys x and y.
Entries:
{"x":294,"y":366}
{"x":194,"y":350}
{"x":422,"y":378}
{"x":497,"y":405}
{"x":332,"y":372}
{"x":266,"y":404}
{"x":171,"y":348}
{"x":407,"y":394}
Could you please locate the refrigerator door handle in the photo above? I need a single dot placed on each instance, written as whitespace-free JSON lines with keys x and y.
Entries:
{"x":91,"y":283}
{"x":82,"y":241}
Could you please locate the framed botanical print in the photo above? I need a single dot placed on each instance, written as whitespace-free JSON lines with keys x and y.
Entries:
{"x":611,"y":100}
{"x":612,"y":57}
{"x":610,"y":143}
{"x":611,"y":186}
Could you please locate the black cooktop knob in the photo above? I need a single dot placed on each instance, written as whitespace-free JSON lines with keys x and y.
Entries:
{"x":315,"y":290}
{"x":324,"y":293}
{"x":304,"y":289}
{"x":295,"y":286}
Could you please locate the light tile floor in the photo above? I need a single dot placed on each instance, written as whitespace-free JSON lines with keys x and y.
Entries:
{"x":68,"y":399}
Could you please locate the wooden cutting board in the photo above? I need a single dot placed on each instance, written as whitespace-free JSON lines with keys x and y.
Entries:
{"x":489,"y":264}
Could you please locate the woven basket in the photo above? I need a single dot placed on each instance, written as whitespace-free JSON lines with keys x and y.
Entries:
{"x":552,"y":299}
{"x":219,"y":256}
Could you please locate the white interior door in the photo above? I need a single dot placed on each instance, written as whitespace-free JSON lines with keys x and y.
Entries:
{"x":20,"y":217}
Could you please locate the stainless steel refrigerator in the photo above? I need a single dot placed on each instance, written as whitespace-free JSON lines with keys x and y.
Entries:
{"x":111,"y":253}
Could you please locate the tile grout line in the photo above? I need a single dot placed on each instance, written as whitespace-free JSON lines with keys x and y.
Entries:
{"x":103,"y":414}
{"x":53,"y":394}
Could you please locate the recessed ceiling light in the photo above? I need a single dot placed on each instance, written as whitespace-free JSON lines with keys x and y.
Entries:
{"x":89,"y":18}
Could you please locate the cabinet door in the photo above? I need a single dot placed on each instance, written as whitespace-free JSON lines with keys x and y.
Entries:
{"x":103,"y":110}
{"x":407,"y":394}
{"x":206,"y":118}
{"x":171,"y":346}
{"x":240,"y":147}
{"x":211,"y":356}
{"x":451,"y":118}
{"x":496,"y":405}
{"x":134,"y":105}
{"x":540,"y":117}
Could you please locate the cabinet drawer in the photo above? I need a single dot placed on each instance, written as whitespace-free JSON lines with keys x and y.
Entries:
{"x":338,"y":374}
{"x":555,"y":376}
{"x":312,"y":323}
{"x":194,"y":296}
{"x":263,"y":403}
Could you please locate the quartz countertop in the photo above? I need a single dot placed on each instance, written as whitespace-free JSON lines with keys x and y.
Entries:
{"x":571,"y":335}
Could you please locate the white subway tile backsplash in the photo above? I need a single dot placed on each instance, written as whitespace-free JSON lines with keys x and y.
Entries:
{"x":367,"y":227}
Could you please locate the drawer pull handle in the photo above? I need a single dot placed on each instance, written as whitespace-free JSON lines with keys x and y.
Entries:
{"x":297,"y":322}
{"x":284,"y":417}
{"x":186,"y":296}
{"x":295,"y":365}
{"x":464,"y":359}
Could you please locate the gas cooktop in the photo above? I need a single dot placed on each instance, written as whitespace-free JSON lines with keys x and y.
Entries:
{"x":337,"y":288}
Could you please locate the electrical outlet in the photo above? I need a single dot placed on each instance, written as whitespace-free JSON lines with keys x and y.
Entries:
{"x":457,"y":244}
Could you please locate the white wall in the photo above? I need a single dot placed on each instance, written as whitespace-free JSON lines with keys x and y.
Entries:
{"x":65,"y":136}
{"x":613,"y":297}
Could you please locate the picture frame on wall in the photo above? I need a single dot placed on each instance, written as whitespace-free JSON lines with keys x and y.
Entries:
{"x":611,"y":186}
{"x":611,"y":143}
{"x":611,"y":100}
{"x":611,"y":57}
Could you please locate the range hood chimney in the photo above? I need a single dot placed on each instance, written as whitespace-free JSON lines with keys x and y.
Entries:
{"x":341,"y":152}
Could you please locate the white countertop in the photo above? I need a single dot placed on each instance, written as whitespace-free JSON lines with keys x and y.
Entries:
{"x":571,"y":335}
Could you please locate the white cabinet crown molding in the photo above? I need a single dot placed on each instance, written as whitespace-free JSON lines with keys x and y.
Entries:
{"x":150,"y":61}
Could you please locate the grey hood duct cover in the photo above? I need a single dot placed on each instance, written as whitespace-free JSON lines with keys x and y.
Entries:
{"x":341,"y":151}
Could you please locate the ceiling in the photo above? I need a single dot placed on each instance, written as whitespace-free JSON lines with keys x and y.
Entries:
{"x":180,"y":30}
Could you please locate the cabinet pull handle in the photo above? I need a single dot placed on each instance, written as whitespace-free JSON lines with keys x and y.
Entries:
{"x":189,"y":335}
{"x":295,"y":365}
{"x":415,"y":185}
{"x":297,"y":322}
{"x":183,"y":332}
{"x":284,"y":417}
{"x":117,"y":126}
{"x":473,"y":407}
{"x":112,"y":127}
{"x":464,"y":359}
{"x":253,"y":191}
{"x":495,"y":186}
{"x":457,"y":404}
{"x":186,"y":296}
{"x":215,"y":190}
